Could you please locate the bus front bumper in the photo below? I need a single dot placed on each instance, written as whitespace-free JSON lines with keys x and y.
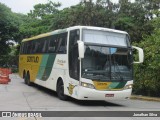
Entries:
{"x":93,"y":94}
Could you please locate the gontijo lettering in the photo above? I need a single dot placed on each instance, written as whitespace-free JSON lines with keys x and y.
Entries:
{"x":33,"y":59}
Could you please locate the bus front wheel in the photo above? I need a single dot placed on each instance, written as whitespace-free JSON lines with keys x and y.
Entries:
{"x":60,"y":91}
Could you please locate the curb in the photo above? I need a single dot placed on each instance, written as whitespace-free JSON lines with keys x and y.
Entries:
{"x":140,"y":97}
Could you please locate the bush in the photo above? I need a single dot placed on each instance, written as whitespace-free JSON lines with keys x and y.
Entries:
{"x":147,"y":75}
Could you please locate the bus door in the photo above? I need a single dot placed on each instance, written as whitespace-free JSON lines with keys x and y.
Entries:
{"x":74,"y":63}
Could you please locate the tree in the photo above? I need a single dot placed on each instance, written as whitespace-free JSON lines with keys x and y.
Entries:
{"x":147,"y":74}
{"x":30,"y":27}
{"x":131,"y":18}
{"x":150,"y":7}
{"x":8,"y":28}
{"x":85,"y":13}
{"x":39,"y":20}
{"x":42,"y":10}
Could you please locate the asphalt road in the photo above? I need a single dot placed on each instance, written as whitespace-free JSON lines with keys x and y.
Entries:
{"x":16,"y":96}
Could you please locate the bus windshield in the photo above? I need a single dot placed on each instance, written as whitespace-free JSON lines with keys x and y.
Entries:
{"x":107,"y":63}
{"x":105,"y":37}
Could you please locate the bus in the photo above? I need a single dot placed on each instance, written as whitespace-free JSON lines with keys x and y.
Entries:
{"x":82,"y":62}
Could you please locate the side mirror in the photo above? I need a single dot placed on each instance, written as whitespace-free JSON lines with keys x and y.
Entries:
{"x":80,"y":49}
{"x":140,"y":54}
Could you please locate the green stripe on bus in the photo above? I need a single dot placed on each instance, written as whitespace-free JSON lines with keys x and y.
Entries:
{"x":121,"y":85}
{"x":48,"y":67}
{"x":42,"y":66}
{"x":113,"y":85}
{"x":117,"y":85}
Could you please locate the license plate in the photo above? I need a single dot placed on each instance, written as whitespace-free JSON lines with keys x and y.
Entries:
{"x":109,"y":95}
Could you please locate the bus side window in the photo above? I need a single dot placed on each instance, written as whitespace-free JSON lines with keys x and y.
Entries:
{"x":44,"y":48}
{"x":33,"y":44}
{"x":21,"y":50}
{"x":32,"y":47}
{"x":24,"y":47}
{"x":62,"y":42}
{"x":40,"y":45}
{"x":52,"y":44}
{"x":35,"y":50}
{"x":27,"y":47}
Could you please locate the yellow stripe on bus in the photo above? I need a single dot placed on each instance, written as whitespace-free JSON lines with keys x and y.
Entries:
{"x":30,"y":63}
{"x":101,"y":85}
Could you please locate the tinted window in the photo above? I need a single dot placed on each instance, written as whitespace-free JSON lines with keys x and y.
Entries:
{"x":21,"y":50}
{"x":51,"y":44}
{"x":73,"y":55}
{"x":62,"y":42}
{"x":45,"y":45}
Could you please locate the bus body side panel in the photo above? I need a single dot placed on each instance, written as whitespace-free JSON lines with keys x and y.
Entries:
{"x":31,"y":64}
{"x":45,"y":69}
{"x":59,"y":70}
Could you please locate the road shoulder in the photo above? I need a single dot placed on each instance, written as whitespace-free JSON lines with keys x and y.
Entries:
{"x":146,"y":98}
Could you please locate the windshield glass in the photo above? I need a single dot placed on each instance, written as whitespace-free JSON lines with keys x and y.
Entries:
{"x":107,"y":63}
{"x":105,"y":37}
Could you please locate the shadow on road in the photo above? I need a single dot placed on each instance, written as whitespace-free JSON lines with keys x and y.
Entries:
{"x":77,"y":102}
{"x":94,"y":103}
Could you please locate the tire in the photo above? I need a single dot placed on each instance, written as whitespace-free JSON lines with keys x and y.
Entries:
{"x":27,"y":80}
{"x":60,"y":91}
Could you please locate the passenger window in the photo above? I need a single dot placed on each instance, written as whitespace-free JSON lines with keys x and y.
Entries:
{"x":52,"y":44}
{"x":62,"y":42}
{"x":32,"y":47}
{"x":27,"y":47}
{"x":44,"y":49}
{"x":36,"y":49}
{"x":22,"y":47}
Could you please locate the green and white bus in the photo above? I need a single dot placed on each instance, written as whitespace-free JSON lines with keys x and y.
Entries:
{"x":83,"y":62}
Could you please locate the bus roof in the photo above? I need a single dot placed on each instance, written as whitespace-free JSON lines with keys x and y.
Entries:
{"x":72,"y":28}
{"x":98,"y":28}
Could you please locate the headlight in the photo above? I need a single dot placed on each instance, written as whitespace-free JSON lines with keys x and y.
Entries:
{"x":87,"y":85}
{"x":128,"y":86}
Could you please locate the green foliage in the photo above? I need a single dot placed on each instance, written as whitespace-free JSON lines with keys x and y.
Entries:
{"x":156,"y":21}
{"x":39,"y":20}
{"x":31,"y":28}
{"x":131,"y":18}
{"x":85,"y":13}
{"x":8,"y":28}
{"x":150,"y":6}
{"x":147,"y":75}
{"x":42,"y":10}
